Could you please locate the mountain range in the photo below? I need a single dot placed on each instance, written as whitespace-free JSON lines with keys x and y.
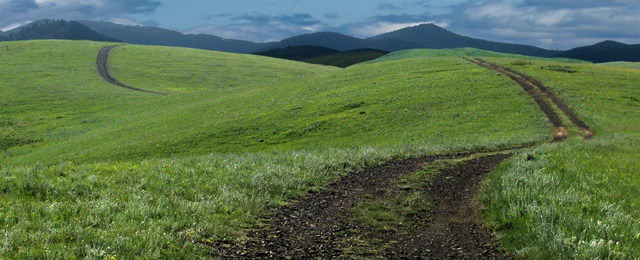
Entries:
{"x":55,"y":29}
{"x":604,"y":52}
{"x":428,"y":36}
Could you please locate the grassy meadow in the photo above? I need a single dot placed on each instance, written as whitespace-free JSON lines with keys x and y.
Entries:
{"x":576,"y":199}
{"x":88,"y":169}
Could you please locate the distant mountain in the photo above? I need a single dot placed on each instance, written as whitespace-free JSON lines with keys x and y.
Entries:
{"x":427,"y":36}
{"x":164,"y":37}
{"x":342,"y":42}
{"x":330,"y":40}
{"x":56,"y":29}
{"x":430,"y":36}
{"x":323,"y":55}
{"x":606,"y":51}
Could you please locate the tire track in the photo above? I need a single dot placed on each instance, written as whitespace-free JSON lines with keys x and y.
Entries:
{"x":103,"y":69}
{"x":544,"y":97}
{"x":584,"y":128}
{"x":322,"y":225}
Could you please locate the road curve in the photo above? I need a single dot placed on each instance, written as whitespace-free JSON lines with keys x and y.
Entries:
{"x":103,"y":70}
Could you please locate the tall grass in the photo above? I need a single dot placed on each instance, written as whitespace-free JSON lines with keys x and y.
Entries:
{"x":167,"y":208}
{"x":576,"y":199}
{"x":117,"y":173}
{"x":430,"y":101}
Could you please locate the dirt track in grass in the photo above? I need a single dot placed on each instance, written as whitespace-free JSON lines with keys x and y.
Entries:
{"x":385,"y":211}
{"x":103,"y":69}
{"x":366,"y":214}
{"x":328,"y":223}
{"x":544,"y":97}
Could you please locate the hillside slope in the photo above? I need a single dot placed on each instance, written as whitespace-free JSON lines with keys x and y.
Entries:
{"x":90,"y":170}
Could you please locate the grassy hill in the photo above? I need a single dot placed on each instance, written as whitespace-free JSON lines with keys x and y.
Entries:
{"x":576,"y":199}
{"x":623,"y":64}
{"x":92,"y":170}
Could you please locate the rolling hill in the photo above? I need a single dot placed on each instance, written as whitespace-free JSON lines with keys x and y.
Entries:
{"x":606,"y":51}
{"x":92,"y":170}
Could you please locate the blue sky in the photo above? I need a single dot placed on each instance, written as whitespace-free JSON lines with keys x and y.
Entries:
{"x":555,"y":24}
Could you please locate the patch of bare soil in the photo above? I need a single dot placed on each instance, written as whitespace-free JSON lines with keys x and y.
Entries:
{"x":103,"y":69}
{"x":381,"y":212}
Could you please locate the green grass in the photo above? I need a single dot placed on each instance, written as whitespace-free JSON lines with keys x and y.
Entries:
{"x":88,"y":169}
{"x":122,"y":173}
{"x":388,"y":105}
{"x":154,"y":68}
{"x":576,"y":199}
{"x":623,"y":64}
{"x":462,"y":52}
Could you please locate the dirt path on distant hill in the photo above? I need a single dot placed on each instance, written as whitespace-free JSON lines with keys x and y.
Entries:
{"x":544,"y":97}
{"x":103,"y":70}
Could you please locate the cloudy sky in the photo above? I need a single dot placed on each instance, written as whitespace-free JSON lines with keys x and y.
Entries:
{"x":555,"y":24}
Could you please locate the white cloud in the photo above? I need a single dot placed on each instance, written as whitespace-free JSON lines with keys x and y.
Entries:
{"x":549,"y":23}
{"x":19,"y":11}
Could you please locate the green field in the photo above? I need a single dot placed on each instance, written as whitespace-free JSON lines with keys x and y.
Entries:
{"x":576,"y":199}
{"x":92,"y":170}
{"x":623,"y":64}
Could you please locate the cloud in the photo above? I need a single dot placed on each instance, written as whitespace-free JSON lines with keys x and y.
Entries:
{"x":549,"y":23}
{"x":263,"y":28}
{"x":20,"y":11}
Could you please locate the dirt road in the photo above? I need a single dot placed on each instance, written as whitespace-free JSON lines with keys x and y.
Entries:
{"x":544,"y":97}
{"x":326,"y":224}
{"x":103,"y":69}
